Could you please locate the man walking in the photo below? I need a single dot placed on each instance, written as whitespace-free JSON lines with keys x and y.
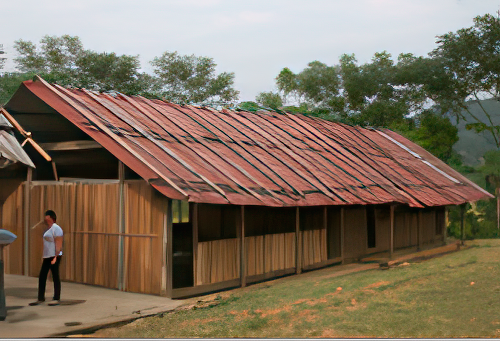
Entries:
{"x":52,"y":253}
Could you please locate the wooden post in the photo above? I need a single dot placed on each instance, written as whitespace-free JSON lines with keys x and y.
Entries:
{"x":54,"y":170}
{"x":462,"y":222}
{"x":391,"y":251}
{"x":243,"y":258}
{"x":298,"y":243}
{"x":27,"y":200}
{"x":419,"y":229}
{"x":169,"y":247}
{"x":121,"y":225}
{"x":498,"y":209}
{"x":342,"y":233}
{"x":195,"y":241}
{"x":164,"y":253}
{"x":445,"y":227}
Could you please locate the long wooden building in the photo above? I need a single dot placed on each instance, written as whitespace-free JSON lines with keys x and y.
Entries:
{"x":179,"y":200}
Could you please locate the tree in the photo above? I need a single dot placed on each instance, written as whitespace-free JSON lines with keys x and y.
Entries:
{"x":470,"y":60}
{"x":192,"y":79}
{"x":431,"y":131}
{"x":270,"y":99}
{"x":63,"y":60}
{"x":316,"y":87}
{"x":9,"y":83}
{"x":491,"y":170}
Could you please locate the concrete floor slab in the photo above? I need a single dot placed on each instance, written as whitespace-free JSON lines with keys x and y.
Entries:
{"x":82,"y":306}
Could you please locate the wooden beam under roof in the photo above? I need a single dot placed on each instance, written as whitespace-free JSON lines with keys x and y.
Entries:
{"x":71,"y":145}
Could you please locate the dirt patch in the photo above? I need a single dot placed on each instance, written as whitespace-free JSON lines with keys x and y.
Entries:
{"x":329,"y":333}
{"x":376,"y":285}
{"x":196,"y":322}
{"x":286,"y":308}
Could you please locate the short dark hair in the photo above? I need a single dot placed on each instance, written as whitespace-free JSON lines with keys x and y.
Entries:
{"x":51,"y":214}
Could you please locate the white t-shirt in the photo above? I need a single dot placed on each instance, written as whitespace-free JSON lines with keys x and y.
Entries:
{"x":49,"y":245}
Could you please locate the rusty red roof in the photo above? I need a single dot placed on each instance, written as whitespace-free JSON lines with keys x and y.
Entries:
{"x":264,"y":158}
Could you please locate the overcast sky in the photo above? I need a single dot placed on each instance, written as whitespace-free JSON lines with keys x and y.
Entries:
{"x":254,"y":39}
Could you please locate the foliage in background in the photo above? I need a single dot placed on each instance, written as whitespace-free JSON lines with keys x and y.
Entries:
{"x":63,"y":60}
{"x":480,"y":217}
{"x":470,"y":58}
{"x":192,"y":79}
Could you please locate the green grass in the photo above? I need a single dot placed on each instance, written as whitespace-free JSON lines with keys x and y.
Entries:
{"x":433,"y":298}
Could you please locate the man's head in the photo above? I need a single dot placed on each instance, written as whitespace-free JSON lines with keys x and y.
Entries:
{"x":50,"y":217}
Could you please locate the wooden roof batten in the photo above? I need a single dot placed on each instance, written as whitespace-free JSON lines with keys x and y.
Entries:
{"x":294,"y":160}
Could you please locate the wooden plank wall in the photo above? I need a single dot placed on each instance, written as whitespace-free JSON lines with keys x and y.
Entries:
{"x":144,"y":212}
{"x":218,"y":261}
{"x":270,"y":252}
{"x":88,"y":215}
{"x":314,"y":249}
{"x":355,"y":242}
{"x":428,"y":226}
{"x":13,"y":221}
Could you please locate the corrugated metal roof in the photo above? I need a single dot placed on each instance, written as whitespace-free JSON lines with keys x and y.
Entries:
{"x":272,"y":159}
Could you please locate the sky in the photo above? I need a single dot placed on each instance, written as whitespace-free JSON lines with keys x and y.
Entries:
{"x":254,"y":39}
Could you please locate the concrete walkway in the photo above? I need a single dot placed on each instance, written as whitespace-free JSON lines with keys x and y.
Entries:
{"x":82,"y":306}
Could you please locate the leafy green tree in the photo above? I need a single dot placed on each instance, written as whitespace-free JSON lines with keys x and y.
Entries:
{"x":63,"y":60}
{"x":431,"y":131}
{"x":270,"y":99}
{"x":470,"y":60}
{"x":9,"y":83}
{"x":192,"y":79}
{"x":317,"y":87}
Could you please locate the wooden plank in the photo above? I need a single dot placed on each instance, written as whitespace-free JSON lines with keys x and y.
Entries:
{"x":342,"y":233}
{"x":323,"y":263}
{"x":391,"y":250}
{"x":298,"y":247}
{"x":71,"y":145}
{"x":121,"y":225}
{"x":243,"y":253}
{"x":203,"y":289}
{"x":194,"y":224}
{"x":27,"y":199}
{"x":445,"y":227}
{"x":169,"y":253}
{"x":269,"y":275}
{"x":419,"y":227}
{"x":462,"y":223}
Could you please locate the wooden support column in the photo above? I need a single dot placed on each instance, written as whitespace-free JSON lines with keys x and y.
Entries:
{"x":298,"y":243}
{"x":169,"y":249}
{"x":462,"y":223}
{"x":419,"y":230}
{"x":164,"y":252}
{"x":243,"y":253}
{"x":445,"y":227}
{"x":342,"y":233}
{"x":27,"y":200}
{"x":54,"y":170}
{"x":195,"y":242}
{"x":391,"y":250}
{"x":121,"y":225}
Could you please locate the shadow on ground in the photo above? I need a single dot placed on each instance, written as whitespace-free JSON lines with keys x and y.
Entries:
{"x":21,"y":292}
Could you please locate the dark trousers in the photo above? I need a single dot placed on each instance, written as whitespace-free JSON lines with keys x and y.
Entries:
{"x":42,"y":278}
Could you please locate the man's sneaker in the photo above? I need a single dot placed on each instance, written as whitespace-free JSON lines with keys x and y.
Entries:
{"x":37,"y":302}
{"x":54,"y":302}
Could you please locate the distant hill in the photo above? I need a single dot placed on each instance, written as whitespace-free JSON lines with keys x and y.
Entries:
{"x":472,"y":145}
